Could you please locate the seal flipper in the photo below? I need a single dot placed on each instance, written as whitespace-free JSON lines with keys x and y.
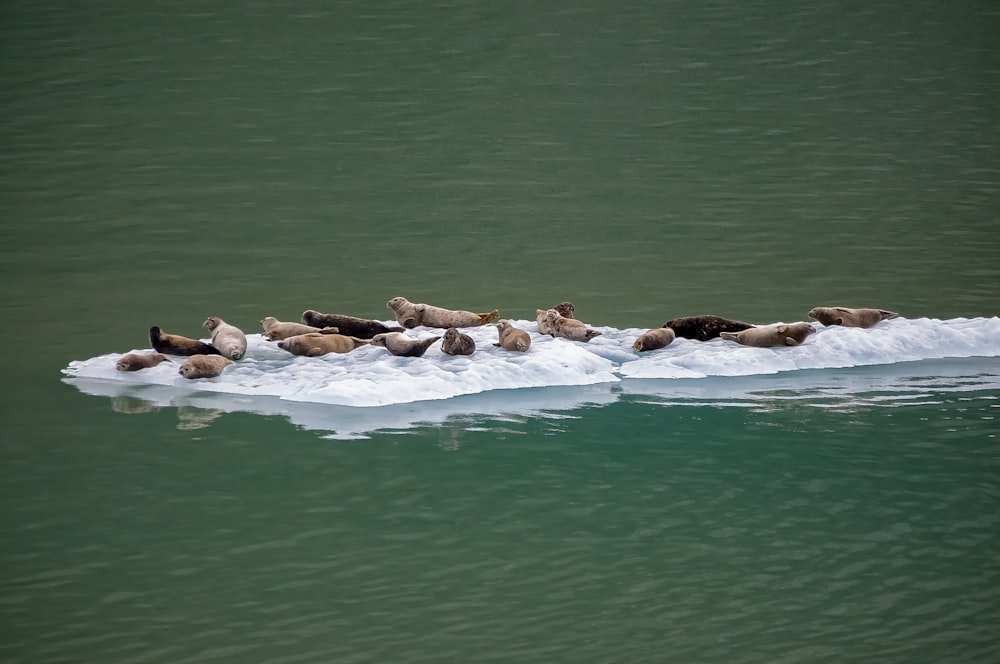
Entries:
{"x":490,"y":317}
{"x":886,"y":315}
{"x":730,"y":336}
{"x":330,"y":330}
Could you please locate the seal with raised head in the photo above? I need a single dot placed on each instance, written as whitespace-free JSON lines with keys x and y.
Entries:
{"x":351,"y":326}
{"x":411,"y":315}
{"x":565,"y":309}
{"x":782,"y":334}
{"x":175,"y":344}
{"x":397,"y":343}
{"x":137,"y":361}
{"x":457,"y":343}
{"x":705,"y":328}
{"x":511,"y":338}
{"x":204,"y":366}
{"x":229,"y":339}
{"x":654,"y":339}
{"x":569,"y":328}
{"x":315,"y":344}
{"x":276,"y":330}
{"x":848,"y":317}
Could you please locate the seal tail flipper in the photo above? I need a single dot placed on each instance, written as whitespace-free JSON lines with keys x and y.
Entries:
{"x":729,"y":336}
{"x":791,"y":342}
{"x":637,"y":345}
{"x":490,"y":317}
{"x":330,"y":330}
{"x":886,"y":315}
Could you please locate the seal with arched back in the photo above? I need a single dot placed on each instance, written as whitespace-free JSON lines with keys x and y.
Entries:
{"x":397,"y":343}
{"x":848,"y":317}
{"x":705,"y":328}
{"x":175,"y":344}
{"x":351,"y":326}
{"x":411,"y":315}
{"x":229,"y":339}
{"x":782,"y":334}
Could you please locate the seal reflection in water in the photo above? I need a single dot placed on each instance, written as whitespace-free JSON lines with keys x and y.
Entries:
{"x":772,"y":335}
{"x":204,"y":366}
{"x":511,"y":338}
{"x":654,"y":339}
{"x":229,"y":339}
{"x":315,"y":344}
{"x":457,"y":343}
{"x":136,"y":361}
{"x":411,"y":315}
{"x":401,"y":345}
{"x":705,"y":328}
{"x":175,"y":344}
{"x":848,"y":317}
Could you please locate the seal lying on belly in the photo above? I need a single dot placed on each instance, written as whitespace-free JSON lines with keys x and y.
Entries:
{"x":511,"y":338}
{"x":401,"y":345}
{"x":204,"y":366}
{"x":348,"y":325}
{"x":782,"y":334}
{"x":850,"y":317}
{"x":654,"y":339}
{"x":137,"y":361}
{"x":705,"y":328}
{"x":568,"y":328}
{"x":229,"y":339}
{"x":411,"y":315}
{"x":276,"y":330}
{"x":315,"y":344}
{"x":457,"y":343}
{"x":565,"y":309}
{"x":175,"y":344}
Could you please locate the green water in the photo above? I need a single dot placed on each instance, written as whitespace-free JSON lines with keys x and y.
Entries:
{"x":164,"y":162}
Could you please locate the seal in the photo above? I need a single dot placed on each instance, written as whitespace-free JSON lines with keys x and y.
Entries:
{"x":401,"y":345}
{"x":654,"y":339}
{"x":228,"y":339}
{"x":456,"y":343}
{"x":783,"y":334}
{"x":315,"y":344}
{"x":411,"y":315}
{"x":276,"y":330}
{"x":175,"y":344}
{"x":565,"y":309}
{"x":512,"y":338}
{"x":351,"y":326}
{"x":204,"y":366}
{"x":705,"y":328}
{"x":848,"y":317}
{"x":569,"y":328}
{"x":136,"y":361}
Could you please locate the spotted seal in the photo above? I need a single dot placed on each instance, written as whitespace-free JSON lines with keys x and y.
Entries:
{"x":511,"y":338}
{"x":411,"y":315}
{"x":568,"y":328}
{"x":704,"y":328}
{"x":276,"y":330}
{"x":783,"y":334}
{"x":351,"y":326}
{"x":848,"y":317}
{"x":315,"y":344}
{"x":401,"y":345}
{"x":456,"y":343}
{"x":204,"y":366}
{"x":229,"y":339}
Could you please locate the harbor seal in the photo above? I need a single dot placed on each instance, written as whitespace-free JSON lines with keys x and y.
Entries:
{"x":569,"y":328}
{"x":654,"y":339}
{"x":848,"y":317}
{"x":315,"y":344}
{"x":565,"y":309}
{"x":204,"y":366}
{"x":512,"y":338}
{"x":136,"y":361}
{"x":175,"y":344}
{"x":456,"y":343}
{"x":411,"y":315}
{"x":276,"y":330}
{"x":351,"y":326}
{"x":228,"y":339}
{"x":704,"y":328}
{"x":401,"y":345}
{"x":783,"y":334}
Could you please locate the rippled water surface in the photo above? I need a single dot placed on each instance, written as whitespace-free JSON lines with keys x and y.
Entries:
{"x":165,"y":162}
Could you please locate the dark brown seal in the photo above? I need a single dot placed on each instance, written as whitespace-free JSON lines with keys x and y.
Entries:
{"x":457,"y":343}
{"x":848,"y":317}
{"x":704,"y":328}
{"x":511,"y":338}
{"x":654,"y":339}
{"x":348,"y":325}
{"x":175,"y":344}
{"x":783,"y":334}
{"x":137,"y":361}
{"x":204,"y":366}
{"x":401,"y":345}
